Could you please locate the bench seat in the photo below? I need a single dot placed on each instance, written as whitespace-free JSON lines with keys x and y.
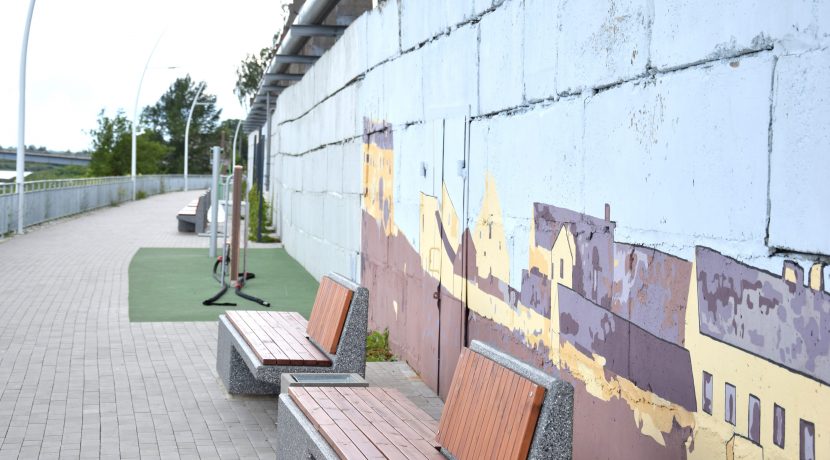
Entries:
{"x":497,"y":407}
{"x":368,"y":422}
{"x":257,"y":347}
{"x":278,"y":338}
{"x":193,"y":217}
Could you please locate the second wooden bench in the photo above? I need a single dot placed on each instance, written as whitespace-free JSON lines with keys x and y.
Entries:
{"x":497,"y":408}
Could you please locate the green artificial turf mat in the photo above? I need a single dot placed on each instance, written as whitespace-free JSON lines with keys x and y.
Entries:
{"x":169,"y":284}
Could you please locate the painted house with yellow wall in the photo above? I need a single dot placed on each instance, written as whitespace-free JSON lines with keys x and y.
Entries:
{"x":758,"y":344}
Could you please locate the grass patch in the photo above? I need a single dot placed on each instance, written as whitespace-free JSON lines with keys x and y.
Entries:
{"x":140,"y":195}
{"x":169,"y":284}
{"x":377,"y":347}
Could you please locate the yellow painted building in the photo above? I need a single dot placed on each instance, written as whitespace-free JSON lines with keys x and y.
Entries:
{"x":801,"y":397}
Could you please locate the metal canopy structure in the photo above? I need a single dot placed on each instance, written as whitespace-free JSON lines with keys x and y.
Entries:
{"x":308,"y":23}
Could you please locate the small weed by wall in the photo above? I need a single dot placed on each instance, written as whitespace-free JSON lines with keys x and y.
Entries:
{"x":377,"y":347}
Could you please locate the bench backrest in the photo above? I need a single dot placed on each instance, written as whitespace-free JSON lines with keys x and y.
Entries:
{"x":490,"y":412}
{"x":329,"y":314}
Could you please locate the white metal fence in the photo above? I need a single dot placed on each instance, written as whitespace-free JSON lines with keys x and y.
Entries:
{"x":51,"y":199}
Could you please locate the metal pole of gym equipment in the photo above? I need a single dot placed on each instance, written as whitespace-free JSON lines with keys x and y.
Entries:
{"x":214,"y":200}
{"x":21,"y":120}
{"x":235,"y":135}
{"x":187,"y":131}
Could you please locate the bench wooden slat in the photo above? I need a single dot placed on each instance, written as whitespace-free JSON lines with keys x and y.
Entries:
{"x":329,"y":314}
{"x":327,"y":427}
{"x":424,"y":444}
{"x":384,"y":444}
{"x":455,"y":387}
{"x":386,"y":424}
{"x":389,"y":400}
{"x":511,"y":414}
{"x":397,"y":439}
{"x":265,"y":347}
{"x":344,"y":423}
{"x":277,"y":339}
{"x":261,"y":352}
{"x":533,"y":397}
{"x":464,"y":404}
{"x":506,"y":383}
{"x":485,"y":412}
{"x":491,"y":412}
{"x":311,"y":355}
{"x":282,"y":335}
{"x":418,"y":445}
{"x":481,"y":385}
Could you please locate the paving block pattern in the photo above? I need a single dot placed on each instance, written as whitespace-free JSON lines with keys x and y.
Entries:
{"x":78,"y":380}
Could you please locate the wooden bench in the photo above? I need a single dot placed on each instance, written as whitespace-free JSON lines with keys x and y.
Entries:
{"x":257,"y":347}
{"x":497,"y":408}
{"x":193,"y":217}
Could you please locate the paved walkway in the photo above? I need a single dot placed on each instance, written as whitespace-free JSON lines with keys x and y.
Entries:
{"x":77,"y":379}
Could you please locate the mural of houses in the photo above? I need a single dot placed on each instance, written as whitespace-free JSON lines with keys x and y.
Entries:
{"x":669,"y":358}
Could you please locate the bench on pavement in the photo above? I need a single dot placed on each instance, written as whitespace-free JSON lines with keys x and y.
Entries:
{"x":193,"y":217}
{"x":257,"y":347}
{"x":497,"y":407}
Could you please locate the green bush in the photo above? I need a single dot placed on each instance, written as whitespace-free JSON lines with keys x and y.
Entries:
{"x":140,"y":195}
{"x":253,"y":213}
{"x":377,"y":347}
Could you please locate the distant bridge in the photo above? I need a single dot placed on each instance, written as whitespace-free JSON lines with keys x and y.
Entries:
{"x":44,"y":157}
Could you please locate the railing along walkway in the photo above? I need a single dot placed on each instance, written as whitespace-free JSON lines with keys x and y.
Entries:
{"x":45,"y":200}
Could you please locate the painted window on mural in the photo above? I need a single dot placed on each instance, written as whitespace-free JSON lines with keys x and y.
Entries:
{"x":729,"y":403}
{"x":778,"y":426}
{"x":754,"y":419}
{"x":707,"y":392}
{"x":807,"y":441}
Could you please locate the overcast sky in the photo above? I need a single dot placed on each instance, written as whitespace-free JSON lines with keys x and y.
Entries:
{"x":87,"y":55}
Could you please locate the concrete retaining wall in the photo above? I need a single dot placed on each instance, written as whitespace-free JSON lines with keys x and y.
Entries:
{"x":411,"y":155}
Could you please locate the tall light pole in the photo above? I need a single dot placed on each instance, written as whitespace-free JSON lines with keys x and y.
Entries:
{"x":135,"y":112}
{"x":187,"y":131}
{"x":21,"y":119}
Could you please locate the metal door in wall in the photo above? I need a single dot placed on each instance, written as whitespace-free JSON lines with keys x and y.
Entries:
{"x":452,"y":210}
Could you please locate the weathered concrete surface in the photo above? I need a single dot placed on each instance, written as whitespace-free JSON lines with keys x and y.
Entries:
{"x":799,"y":165}
{"x":539,"y":48}
{"x":500,"y":57}
{"x":601,"y":42}
{"x":686,"y":32}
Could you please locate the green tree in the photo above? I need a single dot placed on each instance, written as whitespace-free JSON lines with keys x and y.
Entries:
{"x":112,"y":148}
{"x":250,"y":71}
{"x":167,"y":119}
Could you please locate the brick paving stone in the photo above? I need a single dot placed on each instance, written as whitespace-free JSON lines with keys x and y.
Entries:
{"x":78,"y":380}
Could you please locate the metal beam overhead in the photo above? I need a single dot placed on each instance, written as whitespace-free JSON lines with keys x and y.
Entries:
{"x":268,"y":78}
{"x":295,"y":59}
{"x":306,"y":30}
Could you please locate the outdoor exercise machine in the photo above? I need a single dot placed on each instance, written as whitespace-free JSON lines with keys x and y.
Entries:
{"x":228,"y":262}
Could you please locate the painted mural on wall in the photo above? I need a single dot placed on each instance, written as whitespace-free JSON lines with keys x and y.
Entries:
{"x":669,"y":358}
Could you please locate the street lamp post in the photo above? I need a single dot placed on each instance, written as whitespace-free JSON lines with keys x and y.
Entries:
{"x":21,"y":120}
{"x":187,"y":131}
{"x":135,"y":113}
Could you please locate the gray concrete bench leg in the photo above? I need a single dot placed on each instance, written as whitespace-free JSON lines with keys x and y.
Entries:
{"x":297,"y":437}
{"x":233,"y":370}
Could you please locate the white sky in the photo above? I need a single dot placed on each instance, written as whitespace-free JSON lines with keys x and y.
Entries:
{"x":88,"y":55}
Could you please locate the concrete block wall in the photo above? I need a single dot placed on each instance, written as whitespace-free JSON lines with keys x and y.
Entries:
{"x":699,"y":123}
{"x":668,"y":89}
